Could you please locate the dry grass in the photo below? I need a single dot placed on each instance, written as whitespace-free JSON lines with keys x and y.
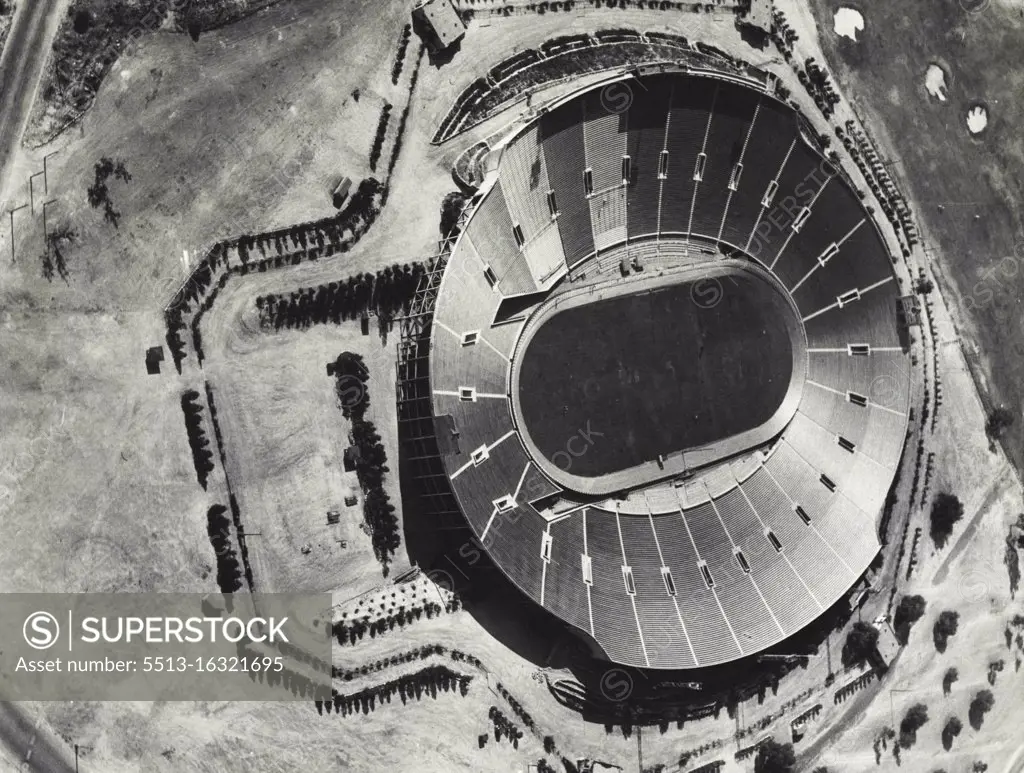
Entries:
{"x":245,"y":130}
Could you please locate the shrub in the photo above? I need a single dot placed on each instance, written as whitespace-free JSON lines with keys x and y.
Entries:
{"x":774,"y":757}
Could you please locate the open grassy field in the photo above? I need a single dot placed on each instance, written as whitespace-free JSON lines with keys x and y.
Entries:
{"x":657,"y":372}
{"x":965,"y":189}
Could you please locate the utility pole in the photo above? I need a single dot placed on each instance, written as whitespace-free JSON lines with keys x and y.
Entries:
{"x":46,"y":237}
{"x":11,"y":212}
{"x":31,"y":191}
{"x":76,"y":752}
{"x":46,"y":185}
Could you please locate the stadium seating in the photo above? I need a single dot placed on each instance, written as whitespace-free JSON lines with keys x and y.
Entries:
{"x":688,"y":120}
{"x":561,"y":133}
{"x":565,"y":593}
{"x":525,"y":183}
{"x":731,"y":123}
{"x":648,"y":119}
{"x":750,"y":550}
{"x":771,"y":138}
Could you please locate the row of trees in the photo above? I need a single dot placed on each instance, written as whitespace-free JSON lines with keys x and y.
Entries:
{"x":371,"y":458}
{"x":403,"y":45}
{"x":236,"y":513}
{"x":818,"y":85}
{"x":420,"y":653}
{"x":412,"y":686}
{"x":503,"y":726}
{"x":396,"y":149}
{"x":517,"y":708}
{"x":1014,"y":542}
{"x":229,"y":571}
{"x":304,"y":241}
{"x":882,"y":185}
{"x":354,"y":631}
{"x":782,"y":34}
{"x":202,"y":456}
{"x":380,"y":135}
{"x":387,"y":293}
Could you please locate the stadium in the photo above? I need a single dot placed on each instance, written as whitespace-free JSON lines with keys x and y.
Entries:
{"x":661,"y":369}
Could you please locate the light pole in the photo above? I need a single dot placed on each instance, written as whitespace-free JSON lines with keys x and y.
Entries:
{"x":11,"y":212}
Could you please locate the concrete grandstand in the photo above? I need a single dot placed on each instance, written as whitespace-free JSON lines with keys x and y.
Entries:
{"x":687,"y":484}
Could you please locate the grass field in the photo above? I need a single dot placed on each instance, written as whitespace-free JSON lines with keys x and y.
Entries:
{"x":966,"y":189}
{"x":656,"y":372}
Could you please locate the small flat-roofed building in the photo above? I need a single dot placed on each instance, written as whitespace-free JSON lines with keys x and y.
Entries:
{"x":154,"y":356}
{"x":438,"y":23}
{"x":760,"y":15}
{"x":888,"y":646}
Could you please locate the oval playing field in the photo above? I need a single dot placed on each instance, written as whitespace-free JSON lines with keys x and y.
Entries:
{"x":699,"y":359}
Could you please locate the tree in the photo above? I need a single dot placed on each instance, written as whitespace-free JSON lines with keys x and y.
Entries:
{"x":980,"y":706}
{"x":950,"y":731}
{"x":944,"y":627}
{"x":99,"y":194}
{"x":948,"y":679}
{"x":913,"y":721}
{"x":451,"y":207}
{"x":774,"y":757}
{"x":860,"y":644}
{"x":999,"y":420}
{"x":946,"y":511}
{"x":908,"y":611}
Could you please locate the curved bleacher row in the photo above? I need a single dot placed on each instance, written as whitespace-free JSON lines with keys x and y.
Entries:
{"x":735,"y":560}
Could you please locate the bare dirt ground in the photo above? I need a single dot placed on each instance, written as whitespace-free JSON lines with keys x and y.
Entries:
{"x":285,"y":436}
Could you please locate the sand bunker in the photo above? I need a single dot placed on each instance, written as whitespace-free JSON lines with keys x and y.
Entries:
{"x":935,"y":82}
{"x":977,"y":119}
{"x":847,"y":23}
